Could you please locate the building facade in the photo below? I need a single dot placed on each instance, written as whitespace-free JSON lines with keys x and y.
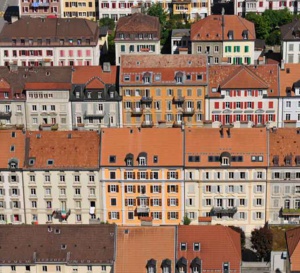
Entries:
{"x":180,"y":41}
{"x":50,"y":42}
{"x":224,"y":39}
{"x":79,"y":9}
{"x":95,"y":100}
{"x":243,"y":96}
{"x":163,"y":90}
{"x":139,"y":179}
{"x":40,"y":8}
{"x":130,"y":40}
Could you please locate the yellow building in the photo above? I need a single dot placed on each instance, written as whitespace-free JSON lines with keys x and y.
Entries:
{"x":79,"y":9}
{"x":163,"y":90}
{"x":142,"y":176}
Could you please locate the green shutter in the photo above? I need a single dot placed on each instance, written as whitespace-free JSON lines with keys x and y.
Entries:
{"x":229,"y":48}
{"x":238,"y":48}
{"x":233,"y":60}
{"x":234,"y":49}
{"x":226,"y":48}
{"x":249,"y":61}
{"x":240,"y":60}
{"x":246,"y":48}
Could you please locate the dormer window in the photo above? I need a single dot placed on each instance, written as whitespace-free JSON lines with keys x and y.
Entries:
{"x":140,"y":36}
{"x":230,"y":35}
{"x":129,"y":160}
{"x":179,"y":77}
{"x":151,"y":266}
{"x":196,"y":265}
{"x":121,"y":35}
{"x":147,"y":77}
{"x":89,"y":95}
{"x":142,"y":161}
{"x":77,"y":94}
{"x":166,"y":266}
{"x":245,"y":34}
{"x":182,"y":265}
{"x":225,"y":159}
{"x":288,"y":160}
{"x":276,"y":160}
{"x":13,"y":164}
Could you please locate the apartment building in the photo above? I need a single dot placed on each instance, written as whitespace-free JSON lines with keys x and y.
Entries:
{"x":40,"y":8}
{"x":225,"y":176}
{"x":242,"y":7}
{"x":142,"y":176}
{"x":47,"y":103}
{"x":132,"y":40}
{"x":57,"y":248}
{"x":95,"y":99}
{"x":163,"y":90}
{"x":284,"y":177}
{"x":191,"y":10}
{"x":290,"y":41}
{"x":243,"y":96}
{"x":12,"y":197}
{"x":79,"y":9}
{"x":180,"y":41}
{"x":61,"y":175}
{"x":224,"y":39}
{"x":289,"y":101}
{"x":50,"y":42}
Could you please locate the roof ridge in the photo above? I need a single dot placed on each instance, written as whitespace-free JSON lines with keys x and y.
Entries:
{"x":242,"y":20}
{"x":228,"y":231}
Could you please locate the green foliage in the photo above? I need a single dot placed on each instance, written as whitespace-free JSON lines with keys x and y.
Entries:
{"x":186,"y":220}
{"x":107,"y":22}
{"x":262,"y":241}
{"x":158,"y":11}
{"x":267,"y":25}
{"x":242,"y":234}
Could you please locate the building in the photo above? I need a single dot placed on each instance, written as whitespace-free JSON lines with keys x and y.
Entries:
{"x":289,"y":101}
{"x":132,"y":40}
{"x":163,"y":90}
{"x":180,"y":41}
{"x":57,"y":248}
{"x":243,"y":96}
{"x":224,"y":39}
{"x":242,"y":7}
{"x":225,"y":176}
{"x":290,"y":41}
{"x":48,"y":104}
{"x":191,"y":10}
{"x":95,"y":98}
{"x":40,"y":8}
{"x":284,"y":177}
{"x":201,"y":249}
{"x":50,"y":41}
{"x":79,"y":9}
{"x":142,"y":176}
{"x":12,"y":197}
{"x":292,"y":237}
{"x":145,"y":249}
{"x":60,"y":186}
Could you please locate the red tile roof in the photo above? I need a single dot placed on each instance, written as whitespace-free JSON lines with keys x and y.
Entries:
{"x":4,"y":85}
{"x":288,"y":77}
{"x":246,"y":142}
{"x":292,"y":240}
{"x":6,"y":143}
{"x":68,"y":150}
{"x":137,"y":245}
{"x":210,"y":28}
{"x":218,"y":244}
{"x":165,"y":143}
{"x":164,"y":65}
{"x":47,"y":86}
{"x":86,"y":74}
{"x":244,"y":77}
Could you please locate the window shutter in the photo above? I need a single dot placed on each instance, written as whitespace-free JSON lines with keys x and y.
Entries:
{"x":169,"y":215}
{"x":109,"y":215}
{"x":177,"y":214}
{"x":19,"y":205}
{"x":168,"y":202}
{"x":160,"y":202}
{"x":160,"y":215}
{"x":126,"y":202}
{"x":254,"y":216}
{"x":133,"y":189}
{"x":125,"y":175}
{"x":151,"y":202}
{"x":151,"y":175}
{"x":10,"y":192}
{"x":168,"y":188}
{"x":138,"y":175}
{"x":147,"y":175}
{"x":125,"y":188}
{"x":139,"y":189}
{"x":139,"y":202}
{"x":176,"y":187}
{"x":168,"y":175}
{"x":151,"y":189}
{"x":159,"y":189}
{"x":177,"y":201}
{"x":176,"y":175}
{"x":118,"y":215}
{"x":133,"y":175}
{"x":117,"y":188}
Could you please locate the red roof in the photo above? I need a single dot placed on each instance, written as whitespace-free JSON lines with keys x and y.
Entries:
{"x":47,"y":86}
{"x":293,"y":246}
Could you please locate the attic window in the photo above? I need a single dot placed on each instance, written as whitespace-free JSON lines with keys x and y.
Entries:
{"x":225,"y":159}
{"x":288,"y":160}
{"x":13,"y":134}
{"x":142,"y":159}
{"x":179,"y":77}
{"x":214,"y":90}
{"x":147,"y":78}
{"x":31,"y":161}
{"x":112,"y":159}
{"x":245,"y":34}
{"x":57,"y":231}
{"x":188,"y":77}
{"x":12,"y":148}
{"x":183,"y":246}
{"x":230,"y":35}
{"x":129,"y":160}
{"x":237,"y":159}
{"x":155,"y":159}
{"x":50,"y":162}
{"x":276,"y":160}
{"x":126,"y":78}
{"x":196,"y":246}
{"x":63,"y":246}
{"x":297,"y":159}
{"x":194,"y":158}
{"x":13,"y":164}
{"x":157,"y":77}
{"x":199,"y":77}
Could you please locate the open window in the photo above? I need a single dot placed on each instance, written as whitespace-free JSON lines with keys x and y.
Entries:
{"x":151,"y":266}
{"x":182,"y":265}
{"x":166,"y":266}
{"x":225,"y":159}
{"x":142,"y":159}
{"x":129,"y":159}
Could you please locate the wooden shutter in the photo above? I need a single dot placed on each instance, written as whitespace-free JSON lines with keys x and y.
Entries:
{"x":169,"y":215}
{"x":176,"y":187}
{"x":151,"y":189}
{"x":160,"y":202}
{"x":168,"y":175}
{"x":168,"y":202}
{"x":176,"y":175}
{"x":126,"y":202}
{"x":125,"y":175}
{"x":151,"y":202}
{"x":160,"y":215}
{"x":133,"y":189}
{"x":151,"y":175}
{"x":138,"y":175}
{"x":133,"y":175}
{"x":139,"y":189}
{"x":177,"y":214}
{"x":177,"y":201}
{"x":125,"y":188}
{"x":147,"y":175}
{"x":134,"y":202}
{"x":117,"y":188}
{"x":168,"y":188}
{"x":109,"y":215}
{"x":118,"y":215}
{"x":159,"y":189}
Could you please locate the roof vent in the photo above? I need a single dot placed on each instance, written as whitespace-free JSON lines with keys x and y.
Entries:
{"x":106,"y":67}
{"x":288,"y":71}
{"x":38,"y":136}
{"x":48,"y":73}
{"x":57,"y":231}
{"x":126,"y":231}
{"x":63,"y":246}
{"x":69,"y":136}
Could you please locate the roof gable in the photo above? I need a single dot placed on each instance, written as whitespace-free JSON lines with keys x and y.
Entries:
{"x":4,"y":84}
{"x":292,"y":240}
{"x":95,"y":83}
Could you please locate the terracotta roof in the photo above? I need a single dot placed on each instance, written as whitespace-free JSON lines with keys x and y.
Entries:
{"x":164,"y":65}
{"x":47,"y":86}
{"x":292,"y":240}
{"x":288,"y":31}
{"x":210,"y":28}
{"x":218,"y":244}
{"x":204,"y":219}
{"x":23,"y":243}
{"x":165,"y":143}
{"x":145,"y":23}
{"x":95,"y":83}
{"x":67,"y":150}
{"x":244,"y":77}
{"x":137,"y":245}
{"x":288,"y":77}
{"x":4,"y":85}
{"x":50,"y":28}
{"x":206,"y":142}
{"x":284,"y":144}
{"x":86,"y":74}
{"x":12,"y":146}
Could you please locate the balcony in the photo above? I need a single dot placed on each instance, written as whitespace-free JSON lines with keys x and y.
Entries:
{"x":94,"y":221}
{"x":188,"y":111}
{"x":98,"y":114}
{"x":146,"y":99}
{"x":40,"y":5}
{"x":177,"y":124}
{"x":142,"y":209}
{"x":177,"y":99}
{"x":136,"y":111}
{"x":290,"y":212}
{"x":5,"y":115}
{"x":147,"y":124}
{"x":222,"y":210}
{"x":48,"y":127}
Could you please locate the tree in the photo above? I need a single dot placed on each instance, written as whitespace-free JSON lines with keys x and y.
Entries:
{"x":242,"y":234}
{"x":186,"y":220}
{"x":262,"y":240}
{"x":273,"y":38}
{"x":107,"y":22}
{"x":262,"y":27}
{"x":158,"y":11}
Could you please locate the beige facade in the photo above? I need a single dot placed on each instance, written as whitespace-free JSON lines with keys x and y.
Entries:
{"x":239,"y":52}
{"x":79,"y":9}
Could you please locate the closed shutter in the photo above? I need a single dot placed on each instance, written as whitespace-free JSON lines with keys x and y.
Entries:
{"x":159,"y":189}
{"x":125,"y":188}
{"x":176,"y":188}
{"x":160,"y":202}
{"x":117,"y":188}
{"x":168,"y":202}
{"x":169,"y":215}
{"x":133,"y":189}
{"x":118,"y":215}
{"x":109,"y":215}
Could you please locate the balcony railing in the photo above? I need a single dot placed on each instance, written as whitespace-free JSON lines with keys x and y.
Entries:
{"x":222,"y":210}
{"x":178,"y":99}
{"x":177,"y":124}
{"x":142,"y":209}
{"x":98,"y":114}
{"x":146,"y":99}
{"x":40,"y":5}
{"x":147,"y":124}
{"x":5,"y":114}
{"x":291,"y":212}
{"x":188,"y":111}
{"x":136,"y":111}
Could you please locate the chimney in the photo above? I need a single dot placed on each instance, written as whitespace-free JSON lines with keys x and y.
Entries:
{"x":106,"y":67}
{"x":282,"y":64}
{"x":221,"y":132}
{"x":228,"y":132}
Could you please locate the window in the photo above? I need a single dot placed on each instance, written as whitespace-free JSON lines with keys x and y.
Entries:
{"x":112,"y":159}
{"x":89,"y":268}
{"x":225,"y":161}
{"x":183,"y":246}
{"x":45,"y":269}
{"x":259,"y":188}
{"x":142,"y":161}
{"x":258,"y":202}
{"x":259,"y":175}
{"x":258,"y":215}
{"x":196,"y":246}
{"x":13,"y":268}
{"x":242,"y":202}
{"x":113,"y":201}
{"x":242,"y":175}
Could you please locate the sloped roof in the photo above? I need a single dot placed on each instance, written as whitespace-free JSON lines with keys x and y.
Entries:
{"x":287,"y":31}
{"x":218,"y":244}
{"x":87,"y":244}
{"x":67,"y":149}
{"x":95,"y":83}
{"x":47,"y":86}
{"x":4,"y":85}
{"x":289,"y":76}
{"x":210,"y":28}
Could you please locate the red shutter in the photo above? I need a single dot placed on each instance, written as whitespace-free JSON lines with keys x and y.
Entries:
{"x":102,"y":6}
{"x":256,"y":93}
{"x":259,"y":105}
{"x":230,"y":119}
{"x":255,"y":117}
{"x":213,"y":118}
{"x":245,"y":93}
{"x":271,"y":104}
{"x":273,"y":117}
{"x":263,"y":119}
{"x":223,"y":105}
{"x":245,"y":105}
{"x":252,"y":105}
{"x":216,"y":105}
{"x":234,"y":105}
{"x":230,"y":105}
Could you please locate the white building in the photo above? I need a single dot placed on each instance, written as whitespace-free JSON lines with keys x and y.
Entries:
{"x":50,"y":41}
